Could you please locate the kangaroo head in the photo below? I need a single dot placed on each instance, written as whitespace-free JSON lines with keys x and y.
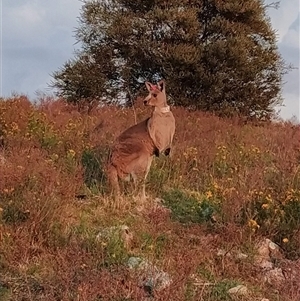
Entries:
{"x":157,"y":95}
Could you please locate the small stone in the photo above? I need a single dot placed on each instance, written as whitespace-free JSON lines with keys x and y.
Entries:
{"x":275,"y":277}
{"x":241,"y":256}
{"x":110,"y":231}
{"x":151,"y":278}
{"x":240,"y":290}
{"x":158,"y":200}
{"x":275,"y":251}
{"x":267,"y":252}
{"x":134,"y":262}
{"x":263,"y":249}
{"x":222,"y":252}
{"x":265,"y":264}
{"x":121,"y":231}
{"x":271,"y":244}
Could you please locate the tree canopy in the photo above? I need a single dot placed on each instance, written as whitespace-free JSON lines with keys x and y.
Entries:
{"x":215,"y":55}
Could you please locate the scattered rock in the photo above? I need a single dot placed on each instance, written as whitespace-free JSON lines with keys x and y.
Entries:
{"x":158,"y":201}
{"x":275,"y":251}
{"x":241,"y":256}
{"x":265,"y":264}
{"x":240,"y":290}
{"x":134,"y":262}
{"x":151,"y":278}
{"x":121,"y":231}
{"x":275,"y":277}
{"x":223,"y":253}
{"x":267,"y":253}
{"x":108,"y":232}
{"x":264,"y":299}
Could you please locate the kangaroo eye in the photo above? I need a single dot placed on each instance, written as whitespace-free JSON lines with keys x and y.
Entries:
{"x":154,"y":95}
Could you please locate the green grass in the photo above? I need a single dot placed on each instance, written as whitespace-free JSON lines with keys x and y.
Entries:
{"x":189,"y":209}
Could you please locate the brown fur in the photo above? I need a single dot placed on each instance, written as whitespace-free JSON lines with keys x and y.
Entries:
{"x":133,"y":151}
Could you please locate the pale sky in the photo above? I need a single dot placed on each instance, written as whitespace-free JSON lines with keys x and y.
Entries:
{"x":37,"y":38}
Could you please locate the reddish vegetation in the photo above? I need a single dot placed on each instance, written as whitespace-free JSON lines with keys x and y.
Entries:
{"x":50,"y":153}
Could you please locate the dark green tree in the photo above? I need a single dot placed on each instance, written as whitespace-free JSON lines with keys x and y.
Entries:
{"x":215,"y":55}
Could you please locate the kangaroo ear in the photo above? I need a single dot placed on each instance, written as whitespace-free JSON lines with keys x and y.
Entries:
{"x":162,"y":85}
{"x":148,"y":85}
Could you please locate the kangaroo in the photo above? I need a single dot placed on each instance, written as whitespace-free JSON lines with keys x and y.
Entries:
{"x":133,"y":151}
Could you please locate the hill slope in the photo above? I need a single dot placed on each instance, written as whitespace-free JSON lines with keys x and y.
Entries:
{"x":226,"y":187}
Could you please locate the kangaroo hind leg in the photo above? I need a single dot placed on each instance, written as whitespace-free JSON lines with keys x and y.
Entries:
{"x":114,"y":181}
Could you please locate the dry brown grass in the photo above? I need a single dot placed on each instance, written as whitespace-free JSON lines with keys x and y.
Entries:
{"x":247,"y":176}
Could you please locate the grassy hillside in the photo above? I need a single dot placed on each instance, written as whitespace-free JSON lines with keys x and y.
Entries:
{"x":226,"y":186}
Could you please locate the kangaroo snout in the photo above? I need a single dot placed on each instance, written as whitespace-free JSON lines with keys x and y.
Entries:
{"x":145,"y":102}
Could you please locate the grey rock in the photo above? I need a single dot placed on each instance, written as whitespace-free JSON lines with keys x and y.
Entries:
{"x":151,"y":277}
{"x":240,"y":290}
{"x":267,"y":252}
{"x":275,"y":277}
{"x":122,"y":232}
{"x":223,"y":253}
{"x":241,"y":256}
{"x":108,"y":232}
